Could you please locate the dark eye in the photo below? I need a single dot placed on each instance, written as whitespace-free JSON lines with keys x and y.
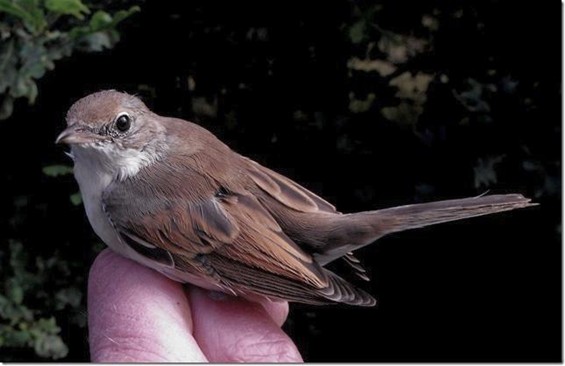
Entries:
{"x":123,"y":123}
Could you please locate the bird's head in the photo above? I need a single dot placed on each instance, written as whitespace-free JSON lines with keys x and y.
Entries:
{"x":114,"y":131}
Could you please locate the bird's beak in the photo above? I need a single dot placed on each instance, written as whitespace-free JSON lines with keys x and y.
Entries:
{"x":75,"y":134}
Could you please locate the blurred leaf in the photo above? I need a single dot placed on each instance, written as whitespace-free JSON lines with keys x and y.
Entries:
{"x":357,"y":31}
{"x":47,"y":341}
{"x":50,"y":346}
{"x":404,"y":114}
{"x":474,"y":98}
{"x":430,"y":22}
{"x":7,"y":6}
{"x":400,"y":48}
{"x":361,"y":105}
{"x":485,"y":173}
{"x":21,"y":87}
{"x":14,"y":291}
{"x":412,"y":92}
{"x":68,"y":7}
{"x":76,"y":198}
{"x":57,"y":170}
{"x":6,"y":107}
{"x":412,"y":87}
{"x":33,"y":60}
{"x":8,"y":64}
{"x":124,"y":14}
{"x":99,"y":20}
{"x":47,"y":325}
{"x":15,"y":337}
{"x":384,"y":68}
{"x":97,"y":41}
{"x":203,"y":108}
{"x":26,"y":10}
{"x":68,"y":296}
{"x":100,"y":32}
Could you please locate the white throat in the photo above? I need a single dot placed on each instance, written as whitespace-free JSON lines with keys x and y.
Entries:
{"x":95,"y":169}
{"x":109,"y":160}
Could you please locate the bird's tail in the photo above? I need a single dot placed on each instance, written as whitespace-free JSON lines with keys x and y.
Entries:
{"x":365,"y":227}
{"x":424,"y":214}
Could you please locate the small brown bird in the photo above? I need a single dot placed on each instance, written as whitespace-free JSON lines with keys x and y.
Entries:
{"x":168,"y":194}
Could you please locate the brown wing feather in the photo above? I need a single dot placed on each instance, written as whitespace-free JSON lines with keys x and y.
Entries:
{"x":256,"y":280}
{"x":286,"y":191}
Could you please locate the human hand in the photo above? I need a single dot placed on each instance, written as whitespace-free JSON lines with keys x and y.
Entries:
{"x":137,"y":314}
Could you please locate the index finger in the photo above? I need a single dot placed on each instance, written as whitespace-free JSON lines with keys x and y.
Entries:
{"x":135,"y":314}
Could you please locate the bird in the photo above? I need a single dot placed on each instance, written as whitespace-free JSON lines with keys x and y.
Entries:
{"x":170,"y":195}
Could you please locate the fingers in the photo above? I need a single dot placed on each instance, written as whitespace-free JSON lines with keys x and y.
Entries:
{"x":278,"y":311}
{"x":230,"y":329}
{"x":136,"y":314}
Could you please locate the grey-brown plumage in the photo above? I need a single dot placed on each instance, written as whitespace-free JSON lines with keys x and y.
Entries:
{"x":174,"y":197}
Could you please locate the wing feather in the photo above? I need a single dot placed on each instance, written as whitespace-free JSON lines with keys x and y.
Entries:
{"x":286,"y":191}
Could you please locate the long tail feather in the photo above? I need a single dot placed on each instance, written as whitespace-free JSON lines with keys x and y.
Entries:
{"x":354,"y":231}
{"x":424,"y":214}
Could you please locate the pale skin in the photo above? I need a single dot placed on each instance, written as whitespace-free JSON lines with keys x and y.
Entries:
{"x":137,"y":314}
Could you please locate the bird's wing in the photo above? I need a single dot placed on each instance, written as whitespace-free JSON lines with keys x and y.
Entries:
{"x":297,"y":198}
{"x":286,"y":191}
{"x":224,"y":237}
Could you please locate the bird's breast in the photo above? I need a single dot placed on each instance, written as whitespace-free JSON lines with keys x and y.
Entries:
{"x":92,"y":184}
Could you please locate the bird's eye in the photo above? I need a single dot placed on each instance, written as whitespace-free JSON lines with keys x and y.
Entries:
{"x":123,"y":122}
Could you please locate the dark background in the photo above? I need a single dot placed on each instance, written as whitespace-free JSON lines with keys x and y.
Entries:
{"x":272,"y":81}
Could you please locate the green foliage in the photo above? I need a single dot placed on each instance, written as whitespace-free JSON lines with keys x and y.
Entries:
{"x":67,"y":7}
{"x":20,"y":325}
{"x":39,"y":287}
{"x":386,"y":55}
{"x":36,"y":33}
{"x":76,"y":198}
{"x":42,"y":286}
{"x":392,"y":79}
{"x":57,"y":170}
